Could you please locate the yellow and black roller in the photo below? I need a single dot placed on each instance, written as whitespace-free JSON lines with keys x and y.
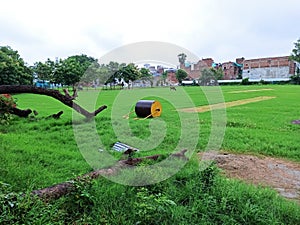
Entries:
{"x":148,"y":108}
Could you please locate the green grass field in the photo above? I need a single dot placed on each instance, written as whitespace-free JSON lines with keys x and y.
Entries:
{"x":40,"y":152}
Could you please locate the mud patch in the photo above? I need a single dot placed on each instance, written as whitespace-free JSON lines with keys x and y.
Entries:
{"x":254,"y":90}
{"x":281,"y":175}
{"x":226,"y":104}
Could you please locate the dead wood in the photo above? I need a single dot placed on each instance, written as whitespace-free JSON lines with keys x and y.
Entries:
{"x":56,"y":115}
{"x":65,"y":99}
{"x":21,"y":113}
{"x":59,"y":190}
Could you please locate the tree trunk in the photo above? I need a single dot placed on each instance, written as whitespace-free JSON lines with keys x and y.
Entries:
{"x":21,"y":113}
{"x":58,"y":190}
{"x":14,"y":89}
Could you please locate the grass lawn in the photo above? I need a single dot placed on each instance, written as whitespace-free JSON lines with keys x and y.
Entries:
{"x":39,"y":152}
{"x":44,"y":151}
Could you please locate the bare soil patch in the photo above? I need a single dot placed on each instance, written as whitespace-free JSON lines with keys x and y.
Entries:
{"x":279,"y":174}
{"x":226,"y":104}
{"x":254,"y":90}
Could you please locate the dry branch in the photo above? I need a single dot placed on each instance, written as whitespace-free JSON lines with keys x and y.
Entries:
{"x":65,"y":99}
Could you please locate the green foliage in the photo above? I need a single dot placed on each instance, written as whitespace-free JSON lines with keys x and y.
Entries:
{"x":66,"y":72}
{"x":182,"y":199}
{"x":72,"y":69}
{"x":210,"y":76}
{"x":24,"y":208}
{"x":44,"y":71}
{"x":13,"y":69}
{"x":192,"y":196}
{"x":295,"y":55}
{"x":295,"y":79}
{"x":245,"y":81}
{"x":181,"y":58}
{"x":145,"y":75}
{"x":80,"y":200}
{"x":148,"y":206}
{"x":114,"y":71}
{"x":181,"y":75}
{"x":128,"y":73}
{"x":208,"y":176}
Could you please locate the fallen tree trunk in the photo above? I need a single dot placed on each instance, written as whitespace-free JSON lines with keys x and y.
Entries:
{"x":58,"y":190}
{"x":20,"y":112}
{"x":65,"y":99}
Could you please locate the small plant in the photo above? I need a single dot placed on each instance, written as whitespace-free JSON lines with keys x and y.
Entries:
{"x":80,"y":199}
{"x":245,"y":81}
{"x":208,"y":176}
{"x":149,"y":206}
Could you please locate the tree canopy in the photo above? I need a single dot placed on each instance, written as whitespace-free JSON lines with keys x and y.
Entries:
{"x":182,"y":58}
{"x":181,"y":75}
{"x":12,"y":68}
{"x":295,"y":55}
{"x":67,"y":72}
{"x":210,"y":77}
{"x":296,"y":52}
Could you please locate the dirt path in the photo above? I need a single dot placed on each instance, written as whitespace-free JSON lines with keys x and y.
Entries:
{"x":281,"y":175}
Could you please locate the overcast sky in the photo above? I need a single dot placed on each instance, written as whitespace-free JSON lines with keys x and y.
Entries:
{"x":220,"y":29}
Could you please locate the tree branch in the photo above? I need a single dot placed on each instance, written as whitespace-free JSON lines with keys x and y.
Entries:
{"x":65,"y":99}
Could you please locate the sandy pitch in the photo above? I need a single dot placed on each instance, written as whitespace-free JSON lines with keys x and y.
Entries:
{"x":254,"y":90}
{"x":206,"y":108}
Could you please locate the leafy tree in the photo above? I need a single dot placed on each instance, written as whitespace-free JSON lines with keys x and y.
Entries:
{"x":113,"y":72}
{"x":58,"y":75}
{"x":296,"y":52}
{"x":295,"y":55}
{"x":128,"y":73}
{"x":12,"y":68}
{"x":102,"y":73}
{"x":217,"y":73}
{"x":72,"y":69}
{"x":181,"y":75}
{"x":93,"y":74}
{"x":182,"y":58}
{"x":44,"y":71}
{"x":146,"y":75}
{"x":209,"y":77}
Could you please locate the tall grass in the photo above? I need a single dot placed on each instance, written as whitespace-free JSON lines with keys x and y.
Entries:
{"x":189,"y":197}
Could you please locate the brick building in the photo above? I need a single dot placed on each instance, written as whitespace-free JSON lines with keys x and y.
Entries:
{"x":268,"y":68}
{"x":194,"y":69}
{"x":171,"y":76}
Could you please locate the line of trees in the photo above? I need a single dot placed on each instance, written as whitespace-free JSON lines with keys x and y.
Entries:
{"x":69,"y":71}
{"x":86,"y":69}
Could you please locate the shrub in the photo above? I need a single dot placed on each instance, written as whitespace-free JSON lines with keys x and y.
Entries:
{"x":245,"y":81}
{"x":6,"y":104}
